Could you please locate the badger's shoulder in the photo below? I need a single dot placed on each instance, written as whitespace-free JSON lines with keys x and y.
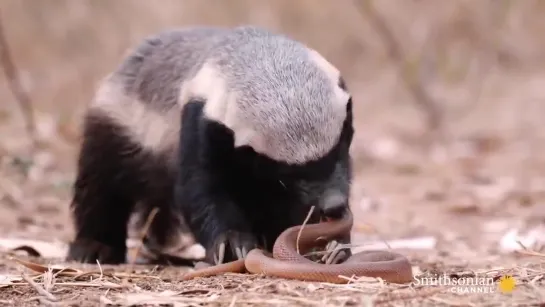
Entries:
{"x":154,"y":70}
{"x":141,"y":94}
{"x":278,"y":96}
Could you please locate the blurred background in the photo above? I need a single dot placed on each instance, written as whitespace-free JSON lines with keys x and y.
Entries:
{"x":448,"y":100}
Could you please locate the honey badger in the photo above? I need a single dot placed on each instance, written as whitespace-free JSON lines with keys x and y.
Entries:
{"x":234,"y":133}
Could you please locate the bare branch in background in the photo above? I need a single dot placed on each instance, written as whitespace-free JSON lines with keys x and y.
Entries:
{"x":489,"y":50}
{"x":14,"y":84}
{"x":428,"y":105}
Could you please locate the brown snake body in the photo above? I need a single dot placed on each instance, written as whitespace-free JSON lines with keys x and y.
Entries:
{"x":286,"y":262}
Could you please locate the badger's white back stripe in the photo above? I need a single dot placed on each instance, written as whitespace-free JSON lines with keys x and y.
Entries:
{"x":152,"y":130}
{"x":210,"y":85}
{"x":221,"y":105}
{"x":278,"y":96}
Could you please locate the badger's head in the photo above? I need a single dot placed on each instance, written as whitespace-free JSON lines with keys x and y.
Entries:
{"x":288,"y":105}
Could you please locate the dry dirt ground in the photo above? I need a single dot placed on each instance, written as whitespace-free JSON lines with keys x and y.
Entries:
{"x":467,"y":204}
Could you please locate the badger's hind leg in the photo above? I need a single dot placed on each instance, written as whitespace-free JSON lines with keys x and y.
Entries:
{"x":105,"y":191}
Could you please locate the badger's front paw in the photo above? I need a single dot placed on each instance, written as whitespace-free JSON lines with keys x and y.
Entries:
{"x":89,"y":251}
{"x":231,"y":246}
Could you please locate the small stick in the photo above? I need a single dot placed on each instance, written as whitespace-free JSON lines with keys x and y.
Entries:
{"x":101,"y":284}
{"x":416,"y":87}
{"x":39,"y":289}
{"x":13,"y":78}
{"x":143,"y":234}
{"x":303,"y":226}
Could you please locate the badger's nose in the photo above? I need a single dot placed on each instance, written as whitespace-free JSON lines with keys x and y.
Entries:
{"x":334,"y":205}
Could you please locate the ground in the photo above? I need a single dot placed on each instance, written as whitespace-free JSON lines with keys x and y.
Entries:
{"x":465,"y":204}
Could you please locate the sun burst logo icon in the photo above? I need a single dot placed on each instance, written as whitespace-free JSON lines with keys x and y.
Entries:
{"x":507,"y":284}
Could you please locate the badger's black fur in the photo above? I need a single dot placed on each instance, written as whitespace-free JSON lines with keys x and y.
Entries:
{"x":190,"y":123}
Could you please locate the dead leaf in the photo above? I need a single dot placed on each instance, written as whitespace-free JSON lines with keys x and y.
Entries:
{"x":28,"y":249}
{"x":37,"y":248}
{"x":58,"y":270}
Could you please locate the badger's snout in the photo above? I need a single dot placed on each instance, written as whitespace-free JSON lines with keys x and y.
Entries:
{"x":334,"y":205}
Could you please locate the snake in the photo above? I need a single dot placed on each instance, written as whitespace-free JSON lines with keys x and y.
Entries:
{"x":286,"y":262}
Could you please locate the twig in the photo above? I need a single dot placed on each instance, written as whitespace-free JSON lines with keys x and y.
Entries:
{"x":487,"y":58}
{"x":101,"y":284}
{"x":101,"y":272}
{"x":143,"y":235}
{"x":530,"y":253}
{"x":232,"y":304}
{"x":14,"y":83}
{"x":12,"y":192}
{"x":39,"y":289}
{"x":303,"y":226}
{"x":434,"y":114}
{"x":48,"y":280}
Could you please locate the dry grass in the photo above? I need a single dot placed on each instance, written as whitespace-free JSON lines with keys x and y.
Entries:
{"x":474,"y":68}
{"x":160,"y":287}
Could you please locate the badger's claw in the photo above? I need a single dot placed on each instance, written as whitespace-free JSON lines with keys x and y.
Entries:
{"x":231,"y":246}
{"x":90,"y":251}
